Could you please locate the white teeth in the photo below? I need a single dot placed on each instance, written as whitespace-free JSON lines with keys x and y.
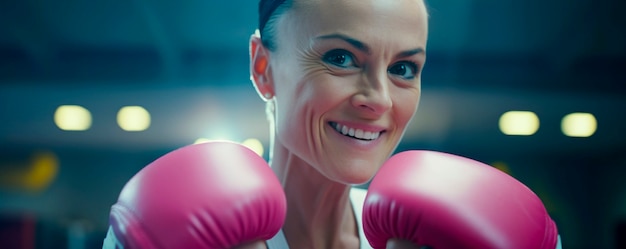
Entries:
{"x":357,"y":133}
{"x":367,"y":135}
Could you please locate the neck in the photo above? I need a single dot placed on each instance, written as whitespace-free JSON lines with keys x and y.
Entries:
{"x":319,"y":213}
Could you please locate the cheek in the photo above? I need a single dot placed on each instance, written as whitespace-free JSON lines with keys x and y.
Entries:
{"x":301,"y":106}
{"x":326,"y":93}
{"x":405,"y":104}
{"x":320,"y":93}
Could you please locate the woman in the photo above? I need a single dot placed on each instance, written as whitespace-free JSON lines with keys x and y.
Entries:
{"x":342,"y":81}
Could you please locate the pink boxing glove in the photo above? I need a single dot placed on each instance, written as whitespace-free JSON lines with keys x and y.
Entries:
{"x":210,"y":195}
{"x":444,"y":201}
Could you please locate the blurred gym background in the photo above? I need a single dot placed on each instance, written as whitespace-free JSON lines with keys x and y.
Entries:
{"x":91,"y":91}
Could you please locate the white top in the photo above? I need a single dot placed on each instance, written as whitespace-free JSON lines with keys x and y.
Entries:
{"x":357,"y":197}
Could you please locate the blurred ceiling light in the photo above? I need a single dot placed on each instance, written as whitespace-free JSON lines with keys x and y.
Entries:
{"x":579,"y":124}
{"x":206,"y":140}
{"x":255,"y":145}
{"x":72,"y":118}
{"x":133,"y":118}
{"x":519,"y":123}
{"x":217,"y":133}
{"x":33,"y":175}
{"x":252,"y":143}
{"x":201,"y":140}
{"x":43,"y":171}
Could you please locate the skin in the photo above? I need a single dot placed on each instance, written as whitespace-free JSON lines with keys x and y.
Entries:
{"x":351,"y":62}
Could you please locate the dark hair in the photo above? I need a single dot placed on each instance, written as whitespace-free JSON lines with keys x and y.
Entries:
{"x":269,"y":11}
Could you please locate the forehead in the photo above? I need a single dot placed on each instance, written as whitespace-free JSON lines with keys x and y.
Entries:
{"x":368,"y":20}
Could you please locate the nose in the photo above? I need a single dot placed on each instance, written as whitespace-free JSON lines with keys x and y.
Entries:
{"x":373,"y":98}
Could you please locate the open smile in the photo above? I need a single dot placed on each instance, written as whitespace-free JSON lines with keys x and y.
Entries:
{"x":355,"y":132}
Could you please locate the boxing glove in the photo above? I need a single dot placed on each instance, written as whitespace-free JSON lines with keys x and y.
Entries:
{"x":209,"y":195}
{"x":443,"y":201}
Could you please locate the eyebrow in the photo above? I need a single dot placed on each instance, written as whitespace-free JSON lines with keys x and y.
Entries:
{"x":411,"y":52}
{"x":354,"y":42}
{"x":363,"y":47}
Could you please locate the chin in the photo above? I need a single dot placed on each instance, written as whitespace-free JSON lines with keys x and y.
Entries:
{"x":355,"y":180}
{"x":357,"y":173}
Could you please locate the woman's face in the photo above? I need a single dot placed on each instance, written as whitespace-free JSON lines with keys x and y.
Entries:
{"x":346,"y":78}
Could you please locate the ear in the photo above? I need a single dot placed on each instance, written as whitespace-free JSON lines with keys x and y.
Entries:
{"x":260,"y":71}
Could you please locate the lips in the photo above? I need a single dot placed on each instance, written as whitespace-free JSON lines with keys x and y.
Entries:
{"x":361,"y":134}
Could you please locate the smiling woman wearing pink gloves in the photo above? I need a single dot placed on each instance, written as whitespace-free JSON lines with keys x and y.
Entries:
{"x":342,"y":80}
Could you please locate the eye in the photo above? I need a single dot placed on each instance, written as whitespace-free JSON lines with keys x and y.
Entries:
{"x":340,"y":58}
{"x":404,"y":69}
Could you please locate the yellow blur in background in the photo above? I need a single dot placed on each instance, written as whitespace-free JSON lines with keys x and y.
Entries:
{"x":33,"y":174}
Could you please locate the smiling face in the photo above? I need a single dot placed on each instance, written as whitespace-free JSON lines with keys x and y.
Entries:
{"x":345,"y":77}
